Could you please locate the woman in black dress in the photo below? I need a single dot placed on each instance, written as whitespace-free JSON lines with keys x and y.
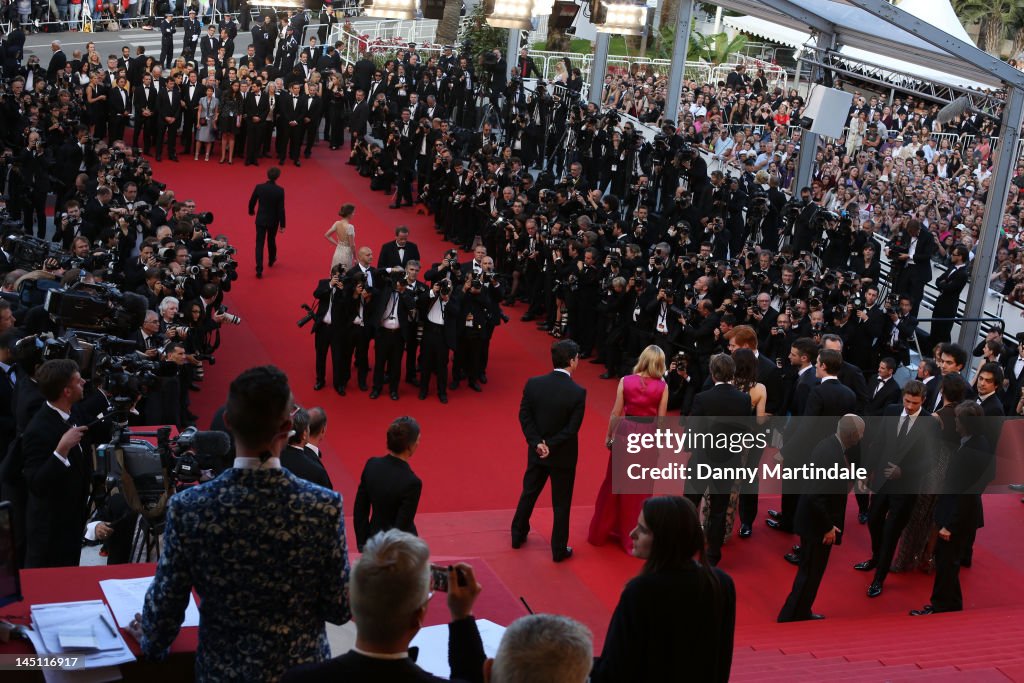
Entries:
{"x":227,"y":121}
{"x":675,"y":621}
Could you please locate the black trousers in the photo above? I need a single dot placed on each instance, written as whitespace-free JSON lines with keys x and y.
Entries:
{"x":813,"y":560}
{"x":253,"y":142}
{"x":412,"y":348}
{"x":166,"y":133}
{"x":116,"y":128}
{"x":294,"y":142}
{"x":166,"y":53}
{"x":562,"y":482}
{"x":404,"y":182}
{"x":887,"y":517}
{"x":434,"y":359}
{"x":387,"y":358}
{"x":749,"y":491}
{"x":266,"y":234}
{"x":788,"y":512}
{"x":35,"y":208}
{"x":355,"y":340}
{"x":146,"y":127}
{"x":327,"y":337}
{"x":471,"y":352}
{"x":946,"y":593}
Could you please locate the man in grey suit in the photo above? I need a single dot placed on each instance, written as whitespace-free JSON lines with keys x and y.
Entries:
{"x":269,"y":217}
{"x":550,"y":414}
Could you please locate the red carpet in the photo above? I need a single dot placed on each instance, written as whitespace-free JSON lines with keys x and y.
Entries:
{"x":472,"y":453}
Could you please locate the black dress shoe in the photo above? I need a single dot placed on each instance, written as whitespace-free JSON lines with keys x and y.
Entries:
{"x":394,"y":206}
{"x":745,"y":531}
{"x":817,"y":617}
{"x":319,"y":385}
{"x":874,"y":590}
{"x":774,"y":514}
{"x":271,"y":262}
{"x":375,"y":393}
{"x":454,"y":384}
{"x":527,"y":318}
{"x":777,"y":525}
{"x":792,"y":558}
{"x":923,"y":612}
{"x":475,"y":387}
{"x":340,"y":390}
{"x":443,"y":398}
{"x":259,"y":275}
{"x":298,"y":163}
{"x":517,"y":543}
{"x":865,"y":566}
{"x":363,"y":386}
{"x":483,"y":378}
{"x":423,"y":396}
{"x":564,"y":555}
{"x":394,"y":395}
{"x":862,"y":518}
{"x":1017,"y":487}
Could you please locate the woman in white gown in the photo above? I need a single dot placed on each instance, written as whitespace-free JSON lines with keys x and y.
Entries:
{"x":343,"y":236}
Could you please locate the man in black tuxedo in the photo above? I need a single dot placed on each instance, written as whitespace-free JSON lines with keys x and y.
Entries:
{"x":883,"y":387}
{"x":803,"y":355}
{"x":951,"y":358}
{"x":146,"y":114}
{"x":270,"y":218}
{"x":119,"y":109}
{"x":958,"y":511}
{"x":1013,"y":376}
{"x":294,"y":109}
{"x":849,"y":374}
{"x":710,"y":411}
{"x":398,"y":252}
{"x":550,"y":414}
{"x":299,"y":460}
{"x":916,"y":248}
{"x":192,"y":92}
{"x":210,"y":44}
{"x":58,"y":60}
{"x":388,"y":320}
{"x":255,"y":109}
{"x":327,"y":326}
{"x":56,"y":471}
{"x":358,"y":118}
{"x":438,"y":308}
{"x":949,"y":284}
{"x":388,"y":488}
{"x":168,"y":104}
{"x":390,"y":594}
{"x":903,"y":451}
{"x":820,"y":518}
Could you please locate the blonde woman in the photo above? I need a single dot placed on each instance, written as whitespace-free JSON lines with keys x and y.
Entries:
{"x":641,"y":394}
{"x":343,"y":236}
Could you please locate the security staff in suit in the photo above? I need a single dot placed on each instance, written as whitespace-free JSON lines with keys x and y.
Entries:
{"x":958,"y":510}
{"x":949,"y":284}
{"x":167,"y":32}
{"x":903,"y":451}
{"x":255,"y":108}
{"x":169,"y":108}
{"x":550,"y":414}
{"x":146,"y":106}
{"x":399,"y":251}
{"x":298,"y":459}
{"x":820,"y":518}
{"x":389,"y":491}
{"x":56,"y":471}
{"x":193,"y":29}
{"x":327,"y":326}
{"x":438,"y":309}
{"x":270,"y":219}
{"x":803,"y":355}
{"x":388,"y":321}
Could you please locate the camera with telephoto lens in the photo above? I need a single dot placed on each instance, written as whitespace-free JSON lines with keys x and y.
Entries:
{"x":444,"y":287}
{"x":229,"y":317}
{"x":310,"y":315}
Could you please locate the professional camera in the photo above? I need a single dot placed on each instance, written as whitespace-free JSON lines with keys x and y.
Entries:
{"x":310,"y":315}
{"x":229,"y":317}
{"x":444,"y":287}
{"x":31,"y":253}
{"x":97,"y":307}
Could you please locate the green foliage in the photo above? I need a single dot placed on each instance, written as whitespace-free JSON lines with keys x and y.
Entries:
{"x":482,"y":35}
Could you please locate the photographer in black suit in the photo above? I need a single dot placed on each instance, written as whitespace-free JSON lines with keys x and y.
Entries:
{"x":327,"y":326}
{"x":438,"y":309}
{"x":398,"y":252}
{"x":550,"y":413}
{"x":388,"y":321}
{"x":56,"y":471}
{"x":270,"y":218}
{"x":820,"y":518}
{"x":723,"y":400}
{"x":949,"y":284}
{"x":388,"y":488}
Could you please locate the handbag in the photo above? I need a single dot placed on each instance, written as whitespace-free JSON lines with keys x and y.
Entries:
{"x":202,"y":121}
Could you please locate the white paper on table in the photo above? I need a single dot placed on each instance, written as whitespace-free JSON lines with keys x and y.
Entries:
{"x":96,"y":673}
{"x":126,"y":598}
{"x":54,"y":620}
{"x":433,"y":644}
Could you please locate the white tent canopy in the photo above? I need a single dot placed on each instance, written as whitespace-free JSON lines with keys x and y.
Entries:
{"x":861,"y":35}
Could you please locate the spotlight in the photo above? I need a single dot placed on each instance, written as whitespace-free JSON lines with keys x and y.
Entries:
{"x":513,"y":14}
{"x":390,"y":9}
{"x":624,"y":18}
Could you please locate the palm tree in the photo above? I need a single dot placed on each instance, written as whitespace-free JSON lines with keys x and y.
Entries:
{"x":717,"y":48}
{"x":448,"y":27}
{"x":993,"y":17}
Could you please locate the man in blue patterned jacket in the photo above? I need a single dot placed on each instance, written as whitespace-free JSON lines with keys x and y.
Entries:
{"x":264,"y":550}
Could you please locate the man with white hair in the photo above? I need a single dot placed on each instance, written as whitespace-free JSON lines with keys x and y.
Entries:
{"x":542,"y":648}
{"x":389,"y":592}
{"x":58,"y":60}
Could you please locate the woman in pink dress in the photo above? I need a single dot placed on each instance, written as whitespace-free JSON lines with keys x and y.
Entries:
{"x":642,"y":394}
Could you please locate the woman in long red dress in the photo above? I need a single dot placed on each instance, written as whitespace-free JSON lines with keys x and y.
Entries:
{"x":642,"y":394}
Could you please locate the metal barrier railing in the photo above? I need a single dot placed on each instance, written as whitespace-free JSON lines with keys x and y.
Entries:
{"x":87,"y":19}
